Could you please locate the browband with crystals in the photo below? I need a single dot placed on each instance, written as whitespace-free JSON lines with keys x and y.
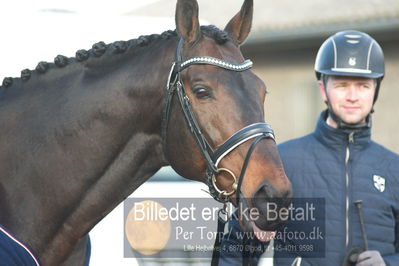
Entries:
{"x":206,"y":60}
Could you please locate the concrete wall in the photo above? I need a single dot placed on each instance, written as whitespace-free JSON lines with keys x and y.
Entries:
{"x":293,"y":103}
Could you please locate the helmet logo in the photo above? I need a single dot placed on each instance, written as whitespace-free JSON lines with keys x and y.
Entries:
{"x":352,"y":61}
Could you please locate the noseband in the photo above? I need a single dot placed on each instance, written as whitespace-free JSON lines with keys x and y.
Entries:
{"x":257,"y":131}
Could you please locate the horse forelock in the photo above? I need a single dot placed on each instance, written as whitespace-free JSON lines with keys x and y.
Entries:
{"x":101,"y":49}
{"x":220,"y":36}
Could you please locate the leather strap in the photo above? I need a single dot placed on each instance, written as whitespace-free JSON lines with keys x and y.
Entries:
{"x":240,"y":137}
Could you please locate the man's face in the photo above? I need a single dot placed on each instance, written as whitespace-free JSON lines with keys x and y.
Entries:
{"x":351,"y":98}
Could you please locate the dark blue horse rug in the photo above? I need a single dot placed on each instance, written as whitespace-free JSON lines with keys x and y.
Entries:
{"x":13,"y":252}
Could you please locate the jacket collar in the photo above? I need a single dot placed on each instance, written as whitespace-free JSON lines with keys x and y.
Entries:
{"x":339,"y":137}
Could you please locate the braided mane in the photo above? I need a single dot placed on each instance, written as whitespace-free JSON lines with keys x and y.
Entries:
{"x":118,"y":47}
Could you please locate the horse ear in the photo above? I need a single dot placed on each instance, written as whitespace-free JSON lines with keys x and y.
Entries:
{"x":187,"y":23}
{"x":240,"y":25}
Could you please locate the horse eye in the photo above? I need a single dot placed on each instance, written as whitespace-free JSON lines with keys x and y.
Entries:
{"x":201,"y":93}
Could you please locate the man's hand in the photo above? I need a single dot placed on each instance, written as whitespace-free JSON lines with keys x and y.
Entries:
{"x":370,"y":258}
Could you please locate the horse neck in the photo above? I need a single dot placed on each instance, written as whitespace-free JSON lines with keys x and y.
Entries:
{"x":96,"y":142}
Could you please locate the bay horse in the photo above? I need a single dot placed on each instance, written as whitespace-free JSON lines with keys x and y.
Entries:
{"x":81,"y":134}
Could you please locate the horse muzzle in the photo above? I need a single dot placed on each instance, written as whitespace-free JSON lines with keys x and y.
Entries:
{"x":269,"y":208}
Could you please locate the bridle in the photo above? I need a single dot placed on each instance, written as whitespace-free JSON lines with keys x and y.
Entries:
{"x":256,"y":131}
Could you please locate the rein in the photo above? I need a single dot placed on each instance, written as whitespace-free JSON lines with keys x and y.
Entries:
{"x":256,"y":131}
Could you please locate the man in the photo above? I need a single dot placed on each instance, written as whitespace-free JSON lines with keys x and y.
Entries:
{"x":353,"y":179}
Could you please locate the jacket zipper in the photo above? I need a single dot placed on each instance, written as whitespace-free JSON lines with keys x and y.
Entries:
{"x":350,"y":140}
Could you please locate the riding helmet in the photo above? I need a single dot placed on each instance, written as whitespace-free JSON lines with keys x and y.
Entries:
{"x":350,"y":53}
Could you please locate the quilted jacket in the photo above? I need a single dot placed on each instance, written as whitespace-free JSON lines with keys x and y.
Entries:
{"x":335,"y":168}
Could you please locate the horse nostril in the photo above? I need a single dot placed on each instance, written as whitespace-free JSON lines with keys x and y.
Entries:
{"x":262,"y":196}
{"x":265,"y":191}
{"x":268,"y":202}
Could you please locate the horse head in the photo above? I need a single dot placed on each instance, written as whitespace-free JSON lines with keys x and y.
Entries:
{"x":216,"y":104}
